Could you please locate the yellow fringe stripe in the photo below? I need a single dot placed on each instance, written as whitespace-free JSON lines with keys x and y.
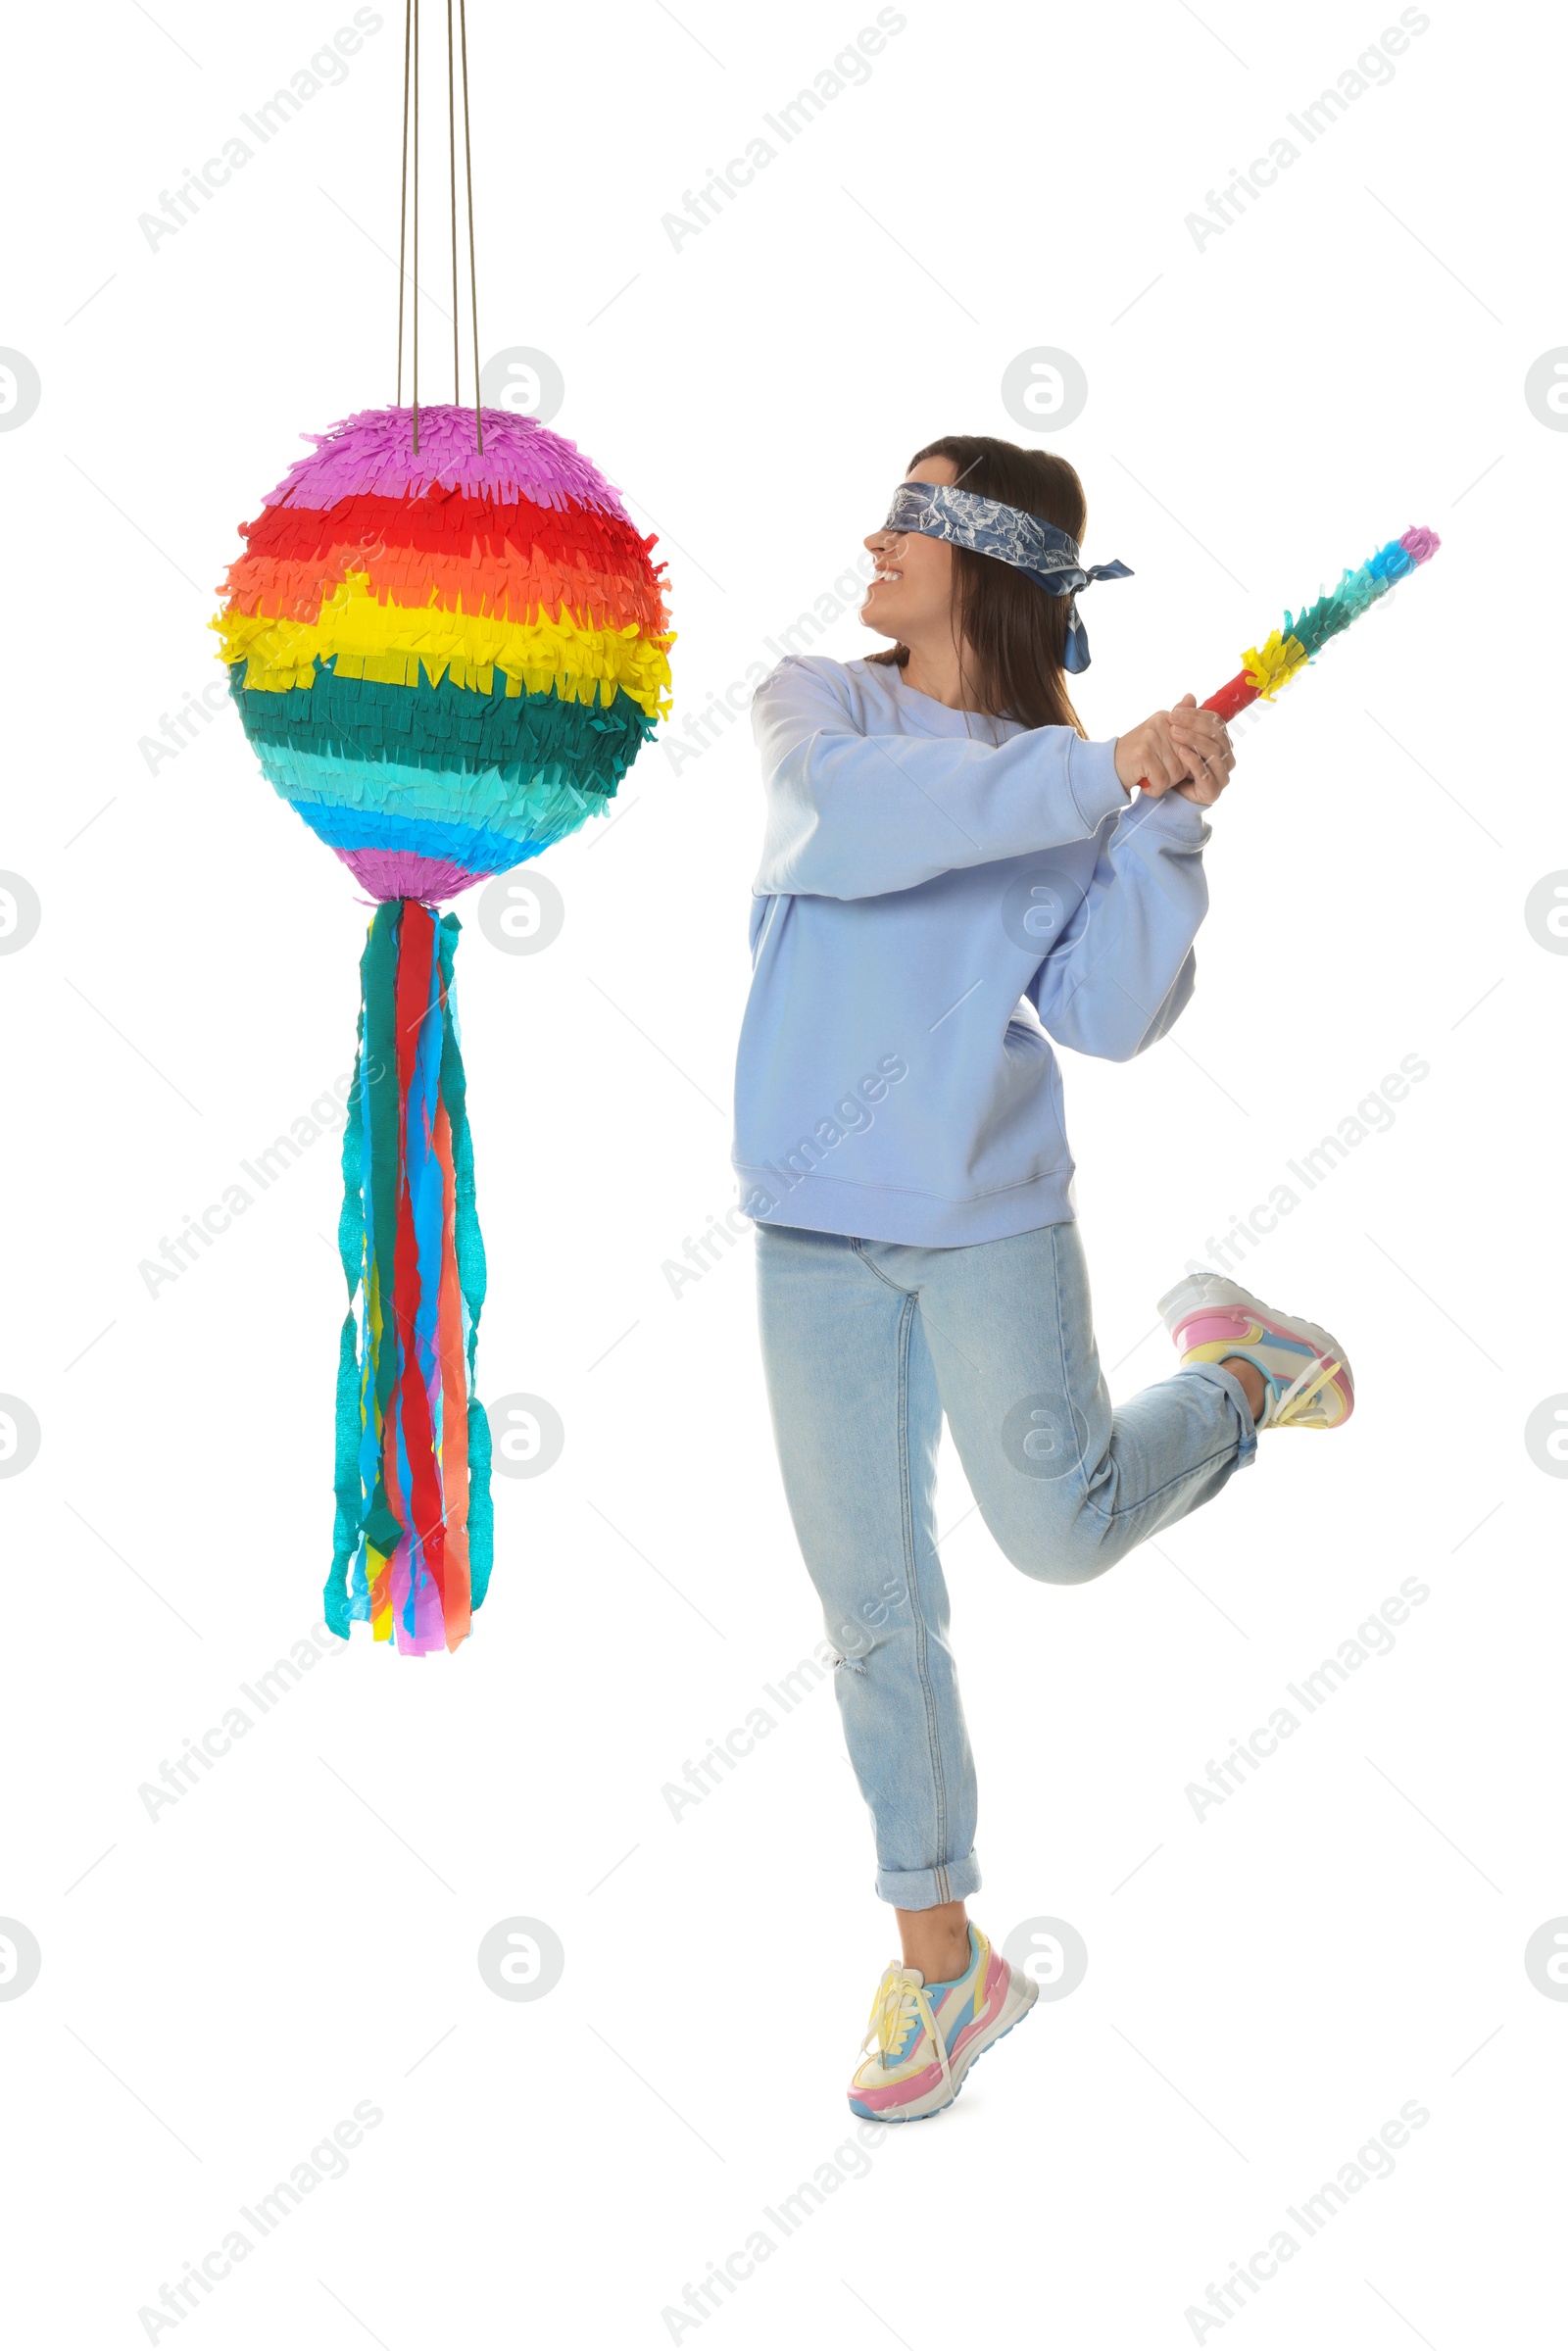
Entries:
{"x":390,"y":644}
{"x":1275,"y":666}
{"x":376,"y":1566}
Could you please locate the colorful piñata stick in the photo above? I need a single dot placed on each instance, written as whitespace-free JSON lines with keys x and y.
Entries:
{"x":1265,"y":668}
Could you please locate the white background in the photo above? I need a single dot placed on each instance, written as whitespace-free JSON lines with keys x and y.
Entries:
{"x":1345,"y":1934}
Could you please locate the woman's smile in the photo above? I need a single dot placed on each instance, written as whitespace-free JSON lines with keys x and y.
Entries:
{"x":887,"y":575}
{"x":909,"y":597}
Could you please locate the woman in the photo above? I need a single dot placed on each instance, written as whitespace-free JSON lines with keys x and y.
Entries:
{"x":953,"y":874}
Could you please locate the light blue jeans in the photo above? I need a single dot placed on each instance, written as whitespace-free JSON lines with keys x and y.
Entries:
{"x":867,"y":1345}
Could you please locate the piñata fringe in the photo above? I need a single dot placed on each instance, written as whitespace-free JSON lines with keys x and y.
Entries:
{"x":413,"y":1539}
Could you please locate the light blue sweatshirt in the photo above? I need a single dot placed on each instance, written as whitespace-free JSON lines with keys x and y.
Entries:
{"x":939,"y":895}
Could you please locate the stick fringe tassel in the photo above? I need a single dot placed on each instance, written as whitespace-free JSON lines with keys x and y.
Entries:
{"x":1266,"y":668}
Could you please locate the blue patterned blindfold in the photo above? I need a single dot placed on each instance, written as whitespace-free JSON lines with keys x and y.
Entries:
{"x":1048,"y":556}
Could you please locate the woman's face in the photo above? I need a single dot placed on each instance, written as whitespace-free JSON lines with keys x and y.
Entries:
{"x":912,"y":593}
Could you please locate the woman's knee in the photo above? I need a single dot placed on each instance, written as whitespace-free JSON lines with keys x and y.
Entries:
{"x":1067,"y":1546}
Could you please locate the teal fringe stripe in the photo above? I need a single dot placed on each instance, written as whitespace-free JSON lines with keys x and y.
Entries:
{"x":346,"y":1544}
{"x":450,"y":727}
{"x":365,"y":1238}
{"x":482,"y":1509}
{"x":471,"y":1273}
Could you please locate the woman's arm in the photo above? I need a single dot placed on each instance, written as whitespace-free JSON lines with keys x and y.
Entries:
{"x":1122,"y":971}
{"x":853,"y":815}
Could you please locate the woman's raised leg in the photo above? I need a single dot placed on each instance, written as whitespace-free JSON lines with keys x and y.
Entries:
{"x":1066,"y":1484}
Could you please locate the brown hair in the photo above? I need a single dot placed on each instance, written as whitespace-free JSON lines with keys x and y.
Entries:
{"x":1013,"y":635}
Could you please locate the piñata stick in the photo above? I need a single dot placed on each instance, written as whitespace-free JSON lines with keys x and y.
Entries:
{"x":1265,"y":668}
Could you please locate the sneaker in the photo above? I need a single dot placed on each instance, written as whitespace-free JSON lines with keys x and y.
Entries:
{"x":929,"y":2035}
{"x":1307,"y":1379}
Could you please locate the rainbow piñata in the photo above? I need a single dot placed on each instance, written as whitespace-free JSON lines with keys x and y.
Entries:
{"x":444,"y":661}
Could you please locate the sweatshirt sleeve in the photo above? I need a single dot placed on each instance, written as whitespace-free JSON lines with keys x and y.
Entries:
{"x":855,"y":815}
{"x":1121,"y":972}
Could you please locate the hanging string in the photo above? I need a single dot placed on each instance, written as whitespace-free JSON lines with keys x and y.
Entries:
{"x":406,"y":275}
{"x":473,"y":275}
{"x":416,"y":4}
{"x":452,"y":197}
{"x":402,"y":193}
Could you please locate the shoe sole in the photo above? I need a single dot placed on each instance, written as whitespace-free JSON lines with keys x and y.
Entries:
{"x":938,"y":2101}
{"x":1205,"y":1292}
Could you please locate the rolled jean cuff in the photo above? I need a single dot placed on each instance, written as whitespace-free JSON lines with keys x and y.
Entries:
{"x":1221,"y":1377}
{"x":923,"y":1890}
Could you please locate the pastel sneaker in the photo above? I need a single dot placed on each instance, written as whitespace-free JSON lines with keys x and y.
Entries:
{"x":929,"y":2035}
{"x":1305,"y":1369}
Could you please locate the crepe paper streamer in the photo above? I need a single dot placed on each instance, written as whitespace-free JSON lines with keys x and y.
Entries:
{"x":412,"y":1539}
{"x":444,"y":661}
{"x":1265,"y":668}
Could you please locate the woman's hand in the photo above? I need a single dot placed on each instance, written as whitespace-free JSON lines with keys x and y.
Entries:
{"x":1182,"y":750}
{"x":1204,"y":740}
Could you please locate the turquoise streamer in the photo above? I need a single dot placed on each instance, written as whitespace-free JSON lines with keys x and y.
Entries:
{"x":369,"y":1442}
{"x":347,"y":1578}
{"x":472,"y":1272}
{"x":482,"y":1509}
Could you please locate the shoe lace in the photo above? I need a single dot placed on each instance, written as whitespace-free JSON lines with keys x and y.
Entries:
{"x":900,"y":2004}
{"x":1296,"y":1402}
